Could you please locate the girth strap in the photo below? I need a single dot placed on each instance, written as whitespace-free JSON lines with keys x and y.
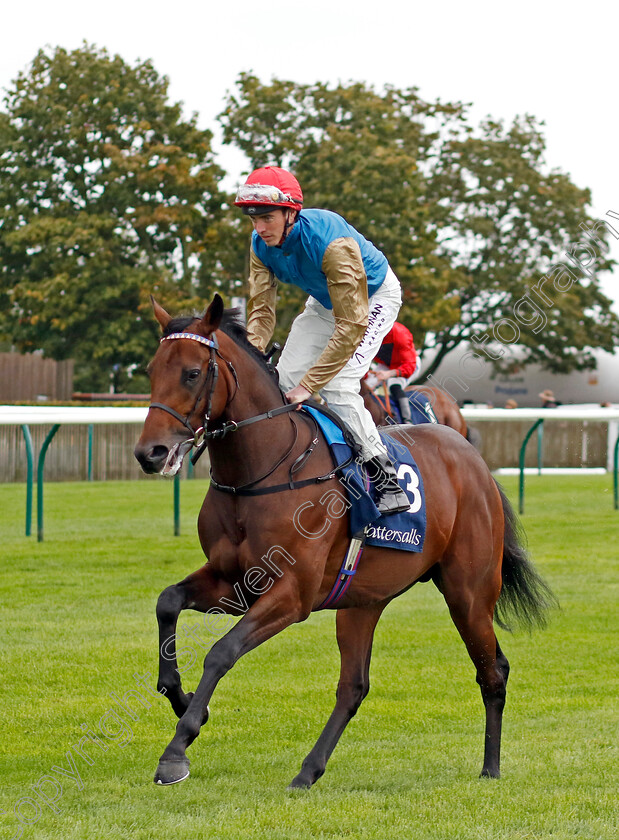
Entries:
{"x":347,"y":570}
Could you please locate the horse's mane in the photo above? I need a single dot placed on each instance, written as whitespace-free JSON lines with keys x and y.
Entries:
{"x":232,"y":326}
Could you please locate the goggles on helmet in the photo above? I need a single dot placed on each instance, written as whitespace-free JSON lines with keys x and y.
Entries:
{"x":262,"y":194}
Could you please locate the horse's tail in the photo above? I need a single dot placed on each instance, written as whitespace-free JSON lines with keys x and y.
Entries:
{"x":525,"y":597}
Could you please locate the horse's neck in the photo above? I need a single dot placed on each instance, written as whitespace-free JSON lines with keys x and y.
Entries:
{"x":242,"y":456}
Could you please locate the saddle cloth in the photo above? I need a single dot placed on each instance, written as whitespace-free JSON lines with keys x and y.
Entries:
{"x":420,"y":408}
{"x":405,"y":531}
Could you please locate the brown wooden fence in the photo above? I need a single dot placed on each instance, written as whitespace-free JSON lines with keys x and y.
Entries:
{"x":566,"y":444}
{"x":30,"y":377}
{"x":67,"y":456}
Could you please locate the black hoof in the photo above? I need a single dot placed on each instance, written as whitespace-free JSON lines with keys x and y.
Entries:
{"x":304,"y":780}
{"x":171,"y":771}
{"x":299,"y":784}
{"x":489,"y":774}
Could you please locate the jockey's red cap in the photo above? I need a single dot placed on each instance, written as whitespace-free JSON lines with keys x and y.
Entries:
{"x":269,"y":187}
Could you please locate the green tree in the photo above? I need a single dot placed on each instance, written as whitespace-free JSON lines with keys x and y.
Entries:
{"x":466,"y":215}
{"x":506,"y":224}
{"x":107,"y":195}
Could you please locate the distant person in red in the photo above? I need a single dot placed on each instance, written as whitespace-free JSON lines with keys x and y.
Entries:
{"x":396,"y":363}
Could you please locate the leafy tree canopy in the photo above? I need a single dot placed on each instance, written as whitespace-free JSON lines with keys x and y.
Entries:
{"x":468,"y":216}
{"x":107,"y":195}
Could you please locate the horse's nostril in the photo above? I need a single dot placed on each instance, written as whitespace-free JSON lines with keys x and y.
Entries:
{"x":159,"y":453}
{"x":151,"y":459}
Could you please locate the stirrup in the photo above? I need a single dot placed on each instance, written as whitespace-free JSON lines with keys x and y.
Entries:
{"x":391,"y":497}
{"x":391,"y":501}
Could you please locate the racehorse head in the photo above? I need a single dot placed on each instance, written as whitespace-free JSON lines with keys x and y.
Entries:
{"x":195,"y":379}
{"x":188,"y":388}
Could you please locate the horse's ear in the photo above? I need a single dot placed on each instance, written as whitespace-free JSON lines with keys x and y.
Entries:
{"x":160,"y":314}
{"x":212,"y":316}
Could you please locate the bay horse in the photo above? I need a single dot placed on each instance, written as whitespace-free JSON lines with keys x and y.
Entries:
{"x":445,"y":408}
{"x":274,"y":527}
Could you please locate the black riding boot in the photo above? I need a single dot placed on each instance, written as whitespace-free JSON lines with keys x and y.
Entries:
{"x":391,"y":497}
{"x":397,"y":392}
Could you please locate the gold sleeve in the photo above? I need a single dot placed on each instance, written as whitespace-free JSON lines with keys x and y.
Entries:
{"x":261,"y":303}
{"x":348,"y":289}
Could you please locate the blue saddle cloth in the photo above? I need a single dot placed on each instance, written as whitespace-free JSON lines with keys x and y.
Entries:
{"x":420,"y":408}
{"x":406,"y":530}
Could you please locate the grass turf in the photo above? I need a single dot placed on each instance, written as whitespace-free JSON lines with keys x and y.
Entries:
{"x":78,"y":623}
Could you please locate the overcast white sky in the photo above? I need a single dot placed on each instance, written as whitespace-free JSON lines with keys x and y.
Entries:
{"x":557,"y":61}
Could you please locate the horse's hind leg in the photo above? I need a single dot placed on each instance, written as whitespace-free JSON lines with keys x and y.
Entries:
{"x":494,"y":703}
{"x":473,"y":616}
{"x":355,"y":632}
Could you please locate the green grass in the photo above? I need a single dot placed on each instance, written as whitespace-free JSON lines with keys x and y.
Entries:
{"x":78,"y":622}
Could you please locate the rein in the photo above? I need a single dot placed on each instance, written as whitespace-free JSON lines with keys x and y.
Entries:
{"x":385,"y":405}
{"x":201,"y":436}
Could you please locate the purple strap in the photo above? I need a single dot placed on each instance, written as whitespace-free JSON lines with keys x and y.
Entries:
{"x":342,"y":582}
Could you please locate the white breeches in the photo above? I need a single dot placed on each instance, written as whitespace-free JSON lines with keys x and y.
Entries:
{"x":309,"y":335}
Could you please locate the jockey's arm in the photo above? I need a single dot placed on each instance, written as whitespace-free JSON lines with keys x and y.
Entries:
{"x":348,"y":289}
{"x":406,"y":354}
{"x":261,"y":303}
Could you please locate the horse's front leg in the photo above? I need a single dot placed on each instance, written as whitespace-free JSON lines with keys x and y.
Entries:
{"x":202,"y":591}
{"x":270,"y":614}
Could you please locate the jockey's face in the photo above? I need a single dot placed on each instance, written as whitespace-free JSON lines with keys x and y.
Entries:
{"x":270,"y":227}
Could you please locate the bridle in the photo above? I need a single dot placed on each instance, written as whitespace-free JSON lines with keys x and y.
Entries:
{"x":200,"y":436}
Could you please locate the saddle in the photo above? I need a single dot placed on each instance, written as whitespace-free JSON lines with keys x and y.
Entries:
{"x":404,"y":531}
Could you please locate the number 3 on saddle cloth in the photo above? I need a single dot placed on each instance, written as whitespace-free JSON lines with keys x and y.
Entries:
{"x":406,"y":530}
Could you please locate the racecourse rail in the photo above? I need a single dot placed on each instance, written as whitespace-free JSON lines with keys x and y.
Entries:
{"x":55,"y":416}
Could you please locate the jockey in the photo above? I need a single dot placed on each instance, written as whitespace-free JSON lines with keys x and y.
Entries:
{"x":396,"y":363}
{"x":354,"y":299}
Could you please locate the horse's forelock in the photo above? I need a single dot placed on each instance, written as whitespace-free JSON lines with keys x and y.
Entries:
{"x":179,"y":324}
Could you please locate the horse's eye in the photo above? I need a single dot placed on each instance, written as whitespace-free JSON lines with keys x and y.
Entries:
{"x":191,"y":376}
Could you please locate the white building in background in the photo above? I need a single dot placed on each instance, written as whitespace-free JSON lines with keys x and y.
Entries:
{"x":469,"y":377}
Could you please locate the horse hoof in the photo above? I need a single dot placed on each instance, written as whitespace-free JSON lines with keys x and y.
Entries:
{"x":299,"y":784}
{"x":305,"y":779}
{"x":171,"y":771}
{"x":489,"y":774}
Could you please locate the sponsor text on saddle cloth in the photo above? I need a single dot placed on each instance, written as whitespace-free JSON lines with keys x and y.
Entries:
{"x":405,"y":531}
